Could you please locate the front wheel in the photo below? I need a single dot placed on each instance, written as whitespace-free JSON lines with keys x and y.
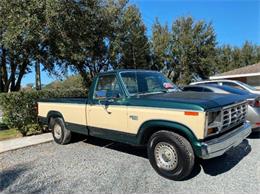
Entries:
{"x":171,"y":155}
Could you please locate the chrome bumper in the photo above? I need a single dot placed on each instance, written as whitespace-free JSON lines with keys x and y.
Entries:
{"x":218,"y":146}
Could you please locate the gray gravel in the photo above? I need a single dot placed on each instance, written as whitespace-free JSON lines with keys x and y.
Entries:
{"x":99,"y":166}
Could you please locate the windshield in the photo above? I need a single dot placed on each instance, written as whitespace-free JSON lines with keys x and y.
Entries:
{"x":146,"y":82}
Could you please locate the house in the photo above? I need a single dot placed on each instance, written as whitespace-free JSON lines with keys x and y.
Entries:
{"x":248,"y":74}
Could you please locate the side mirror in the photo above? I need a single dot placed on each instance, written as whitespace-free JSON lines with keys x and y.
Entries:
{"x":102,"y":94}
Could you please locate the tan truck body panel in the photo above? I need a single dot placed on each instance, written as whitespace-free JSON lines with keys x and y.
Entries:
{"x":120,"y":118}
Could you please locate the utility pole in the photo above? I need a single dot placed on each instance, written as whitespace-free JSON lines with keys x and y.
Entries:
{"x":38,"y":84}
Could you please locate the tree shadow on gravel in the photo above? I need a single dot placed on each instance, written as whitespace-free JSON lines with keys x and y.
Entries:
{"x":9,"y":176}
{"x":226,"y":162}
{"x":18,"y":179}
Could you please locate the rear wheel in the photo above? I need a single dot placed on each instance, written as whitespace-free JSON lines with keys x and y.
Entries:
{"x":60,"y":134}
{"x":171,"y":155}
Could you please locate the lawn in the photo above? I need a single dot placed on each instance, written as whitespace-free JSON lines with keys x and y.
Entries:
{"x":8,"y":134}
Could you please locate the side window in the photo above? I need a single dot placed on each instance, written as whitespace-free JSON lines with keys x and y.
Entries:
{"x":107,"y":87}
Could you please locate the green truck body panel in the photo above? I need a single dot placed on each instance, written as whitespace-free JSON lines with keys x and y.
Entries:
{"x":176,"y":127}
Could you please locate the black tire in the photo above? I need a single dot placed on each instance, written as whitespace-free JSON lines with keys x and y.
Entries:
{"x":183,"y":160}
{"x":65,"y":135}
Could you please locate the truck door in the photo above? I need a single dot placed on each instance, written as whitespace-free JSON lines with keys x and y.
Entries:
{"x":106,"y":111}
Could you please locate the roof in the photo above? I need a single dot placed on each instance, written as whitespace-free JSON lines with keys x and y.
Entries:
{"x":247,"y":71}
{"x":125,"y":70}
{"x":214,"y":88}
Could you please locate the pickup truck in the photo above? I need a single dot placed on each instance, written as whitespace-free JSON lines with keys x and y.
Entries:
{"x":145,"y":108}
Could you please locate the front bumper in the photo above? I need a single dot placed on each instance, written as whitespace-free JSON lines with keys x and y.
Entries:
{"x":253,"y":116}
{"x":218,"y":146}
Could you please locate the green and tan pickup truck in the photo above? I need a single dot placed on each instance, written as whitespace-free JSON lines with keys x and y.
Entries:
{"x":141,"y":107}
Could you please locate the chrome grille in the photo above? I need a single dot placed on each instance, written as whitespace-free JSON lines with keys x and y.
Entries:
{"x":233,"y":115}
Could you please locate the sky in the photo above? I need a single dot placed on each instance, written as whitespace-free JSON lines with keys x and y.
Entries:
{"x":234,"y":21}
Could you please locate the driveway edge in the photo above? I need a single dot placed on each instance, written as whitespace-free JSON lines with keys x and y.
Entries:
{"x":17,"y":143}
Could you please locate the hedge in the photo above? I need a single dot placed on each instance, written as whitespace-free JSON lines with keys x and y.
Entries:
{"x":19,"y":108}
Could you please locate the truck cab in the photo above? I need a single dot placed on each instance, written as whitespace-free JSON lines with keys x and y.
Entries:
{"x":145,"y":108}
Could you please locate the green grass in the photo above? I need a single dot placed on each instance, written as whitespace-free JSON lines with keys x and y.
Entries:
{"x":8,"y":134}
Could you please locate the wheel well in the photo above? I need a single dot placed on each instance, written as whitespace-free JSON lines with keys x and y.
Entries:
{"x":151,"y":130}
{"x":54,"y":114}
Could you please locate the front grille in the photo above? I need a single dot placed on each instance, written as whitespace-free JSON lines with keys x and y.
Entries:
{"x":233,"y":115}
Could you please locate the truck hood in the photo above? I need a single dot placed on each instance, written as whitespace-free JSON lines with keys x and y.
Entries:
{"x":188,"y":100}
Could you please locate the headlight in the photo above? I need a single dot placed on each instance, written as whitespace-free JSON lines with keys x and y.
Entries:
{"x":213,"y":122}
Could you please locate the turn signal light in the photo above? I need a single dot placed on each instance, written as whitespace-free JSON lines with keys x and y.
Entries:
{"x":191,"y":113}
{"x":254,"y":103}
{"x":210,"y":131}
{"x":257,"y":103}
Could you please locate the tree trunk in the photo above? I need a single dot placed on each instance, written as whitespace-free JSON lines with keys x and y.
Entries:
{"x":3,"y":63}
{"x":13,"y":67}
{"x":21,"y":74}
{"x":4,"y":70}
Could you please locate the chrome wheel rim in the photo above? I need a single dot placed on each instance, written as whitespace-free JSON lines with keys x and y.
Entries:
{"x":165,"y":156}
{"x":57,"y":131}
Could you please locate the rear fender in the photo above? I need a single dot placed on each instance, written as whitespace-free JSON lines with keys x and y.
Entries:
{"x":54,"y":114}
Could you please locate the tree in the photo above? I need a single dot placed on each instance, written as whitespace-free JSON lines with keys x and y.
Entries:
{"x":79,"y":34}
{"x":193,"y":49}
{"x":162,"y":58}
{"x":71,"y":82}
{"x":28,"y":87}
{"x":224,"y":59}
{"x":230,"y":57}
{"x":21,"y":40}
{"x":129,"y":48}
{"x":248,"y":54}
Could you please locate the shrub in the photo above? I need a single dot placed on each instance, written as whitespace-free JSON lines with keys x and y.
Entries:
{"x":19,"y":107}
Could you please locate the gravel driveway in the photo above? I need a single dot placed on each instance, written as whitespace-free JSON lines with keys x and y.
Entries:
{"x":99,"y":166}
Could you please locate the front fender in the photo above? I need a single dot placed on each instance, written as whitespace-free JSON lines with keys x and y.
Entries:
{"x":149,"y":127}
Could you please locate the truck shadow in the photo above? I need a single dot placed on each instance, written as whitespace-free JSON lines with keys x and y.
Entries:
{"x":139,"y":151}
{"x":213,"y":167}
{"x":226,"y":162}
{"x":255,"y":135}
